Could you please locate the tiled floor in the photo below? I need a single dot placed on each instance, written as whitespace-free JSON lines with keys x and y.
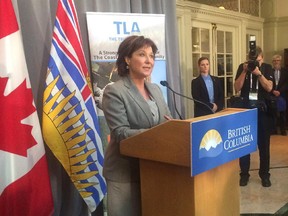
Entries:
{"x":258,"y":200}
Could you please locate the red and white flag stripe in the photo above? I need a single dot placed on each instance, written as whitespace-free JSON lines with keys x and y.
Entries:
{"x":24,"y":182}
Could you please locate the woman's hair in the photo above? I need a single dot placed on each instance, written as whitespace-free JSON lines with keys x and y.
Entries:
{"x":201,"y":59}
{"x":127,"y":47}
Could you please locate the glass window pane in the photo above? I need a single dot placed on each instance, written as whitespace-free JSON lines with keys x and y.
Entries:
{"x":220,"y":41}
{"x":195,"y":40}
{"x":205,"y":40}
{"x":229,"y":84}
{"x":195,"y":64}
{"x":220,"y":65}
{"x":228,"y":42}
{"x":229,"y":65}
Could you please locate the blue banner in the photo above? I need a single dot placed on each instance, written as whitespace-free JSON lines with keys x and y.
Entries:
{"x":106,"y":31}
{"x":218,"y":140}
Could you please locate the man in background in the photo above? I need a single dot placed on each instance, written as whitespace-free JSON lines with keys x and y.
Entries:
{"x":279,"y":93}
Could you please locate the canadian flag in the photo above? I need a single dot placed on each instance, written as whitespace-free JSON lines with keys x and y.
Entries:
{"x":24,"y":181}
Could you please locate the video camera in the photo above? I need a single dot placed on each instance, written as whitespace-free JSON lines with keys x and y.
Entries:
{"x":252,"y":62}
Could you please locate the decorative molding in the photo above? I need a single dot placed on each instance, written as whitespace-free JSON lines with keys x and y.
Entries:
{"x":196,"y":8}
{"x":267,"y":8}
{"x":276,"y":20}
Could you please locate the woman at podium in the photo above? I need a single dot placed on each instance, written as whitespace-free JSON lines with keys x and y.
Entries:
{"x":131,"y":105}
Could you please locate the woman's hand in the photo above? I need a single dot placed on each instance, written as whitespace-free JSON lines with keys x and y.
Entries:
{"x":215,"y":107}
{"x":167,"y":117}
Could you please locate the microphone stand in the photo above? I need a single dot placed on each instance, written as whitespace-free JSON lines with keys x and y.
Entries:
{"x":165,"y":83}
{"x":176,"y":106}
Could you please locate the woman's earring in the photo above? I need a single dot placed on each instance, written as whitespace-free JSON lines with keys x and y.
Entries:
{"x":127,"y":67}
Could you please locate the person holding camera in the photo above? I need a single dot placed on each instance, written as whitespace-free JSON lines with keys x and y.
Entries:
{"x":255,"y":81}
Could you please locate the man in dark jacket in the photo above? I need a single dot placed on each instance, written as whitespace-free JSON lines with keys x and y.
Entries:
{"x":279,"y":92}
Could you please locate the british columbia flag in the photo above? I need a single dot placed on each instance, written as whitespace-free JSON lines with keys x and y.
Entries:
{"x":70,"y":122}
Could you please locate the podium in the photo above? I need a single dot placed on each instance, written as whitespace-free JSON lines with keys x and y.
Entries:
{"x":167,"y":185}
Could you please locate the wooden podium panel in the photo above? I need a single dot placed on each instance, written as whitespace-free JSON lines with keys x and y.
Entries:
{"x":171,"y":191}
{"x":167,"y":187}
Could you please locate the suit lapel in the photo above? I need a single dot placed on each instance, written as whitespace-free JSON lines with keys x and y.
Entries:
{"x":214,"y":86}
{"x":138,"y":98}
{"x":154,"y":91}
{"x":282,"y":77}
{"x":203,"y":86}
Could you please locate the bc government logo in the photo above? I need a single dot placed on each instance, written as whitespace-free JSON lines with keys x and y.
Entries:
{"x":218,"y":140}
{"x":211,"y":144}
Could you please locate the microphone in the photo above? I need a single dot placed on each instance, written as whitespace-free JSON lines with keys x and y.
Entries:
{"x":165,"y":83}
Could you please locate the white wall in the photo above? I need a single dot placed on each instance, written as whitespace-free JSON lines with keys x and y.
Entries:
{"x":275,"y":27}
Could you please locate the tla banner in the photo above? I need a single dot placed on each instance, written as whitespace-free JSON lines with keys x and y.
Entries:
{"x":106,"y":31}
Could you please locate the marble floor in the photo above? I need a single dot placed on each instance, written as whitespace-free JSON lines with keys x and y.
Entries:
{"x":258,"y":200}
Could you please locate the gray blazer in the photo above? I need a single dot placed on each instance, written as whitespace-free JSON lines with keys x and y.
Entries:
{"x":127,"y":114}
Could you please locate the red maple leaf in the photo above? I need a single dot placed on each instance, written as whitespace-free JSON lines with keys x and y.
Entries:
{"x":15,"y":137}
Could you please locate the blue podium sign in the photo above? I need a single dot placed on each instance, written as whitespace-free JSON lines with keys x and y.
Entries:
{"x":218,"y":140}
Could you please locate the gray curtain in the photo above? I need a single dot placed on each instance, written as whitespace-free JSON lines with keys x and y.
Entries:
{"x":36,"y":21}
